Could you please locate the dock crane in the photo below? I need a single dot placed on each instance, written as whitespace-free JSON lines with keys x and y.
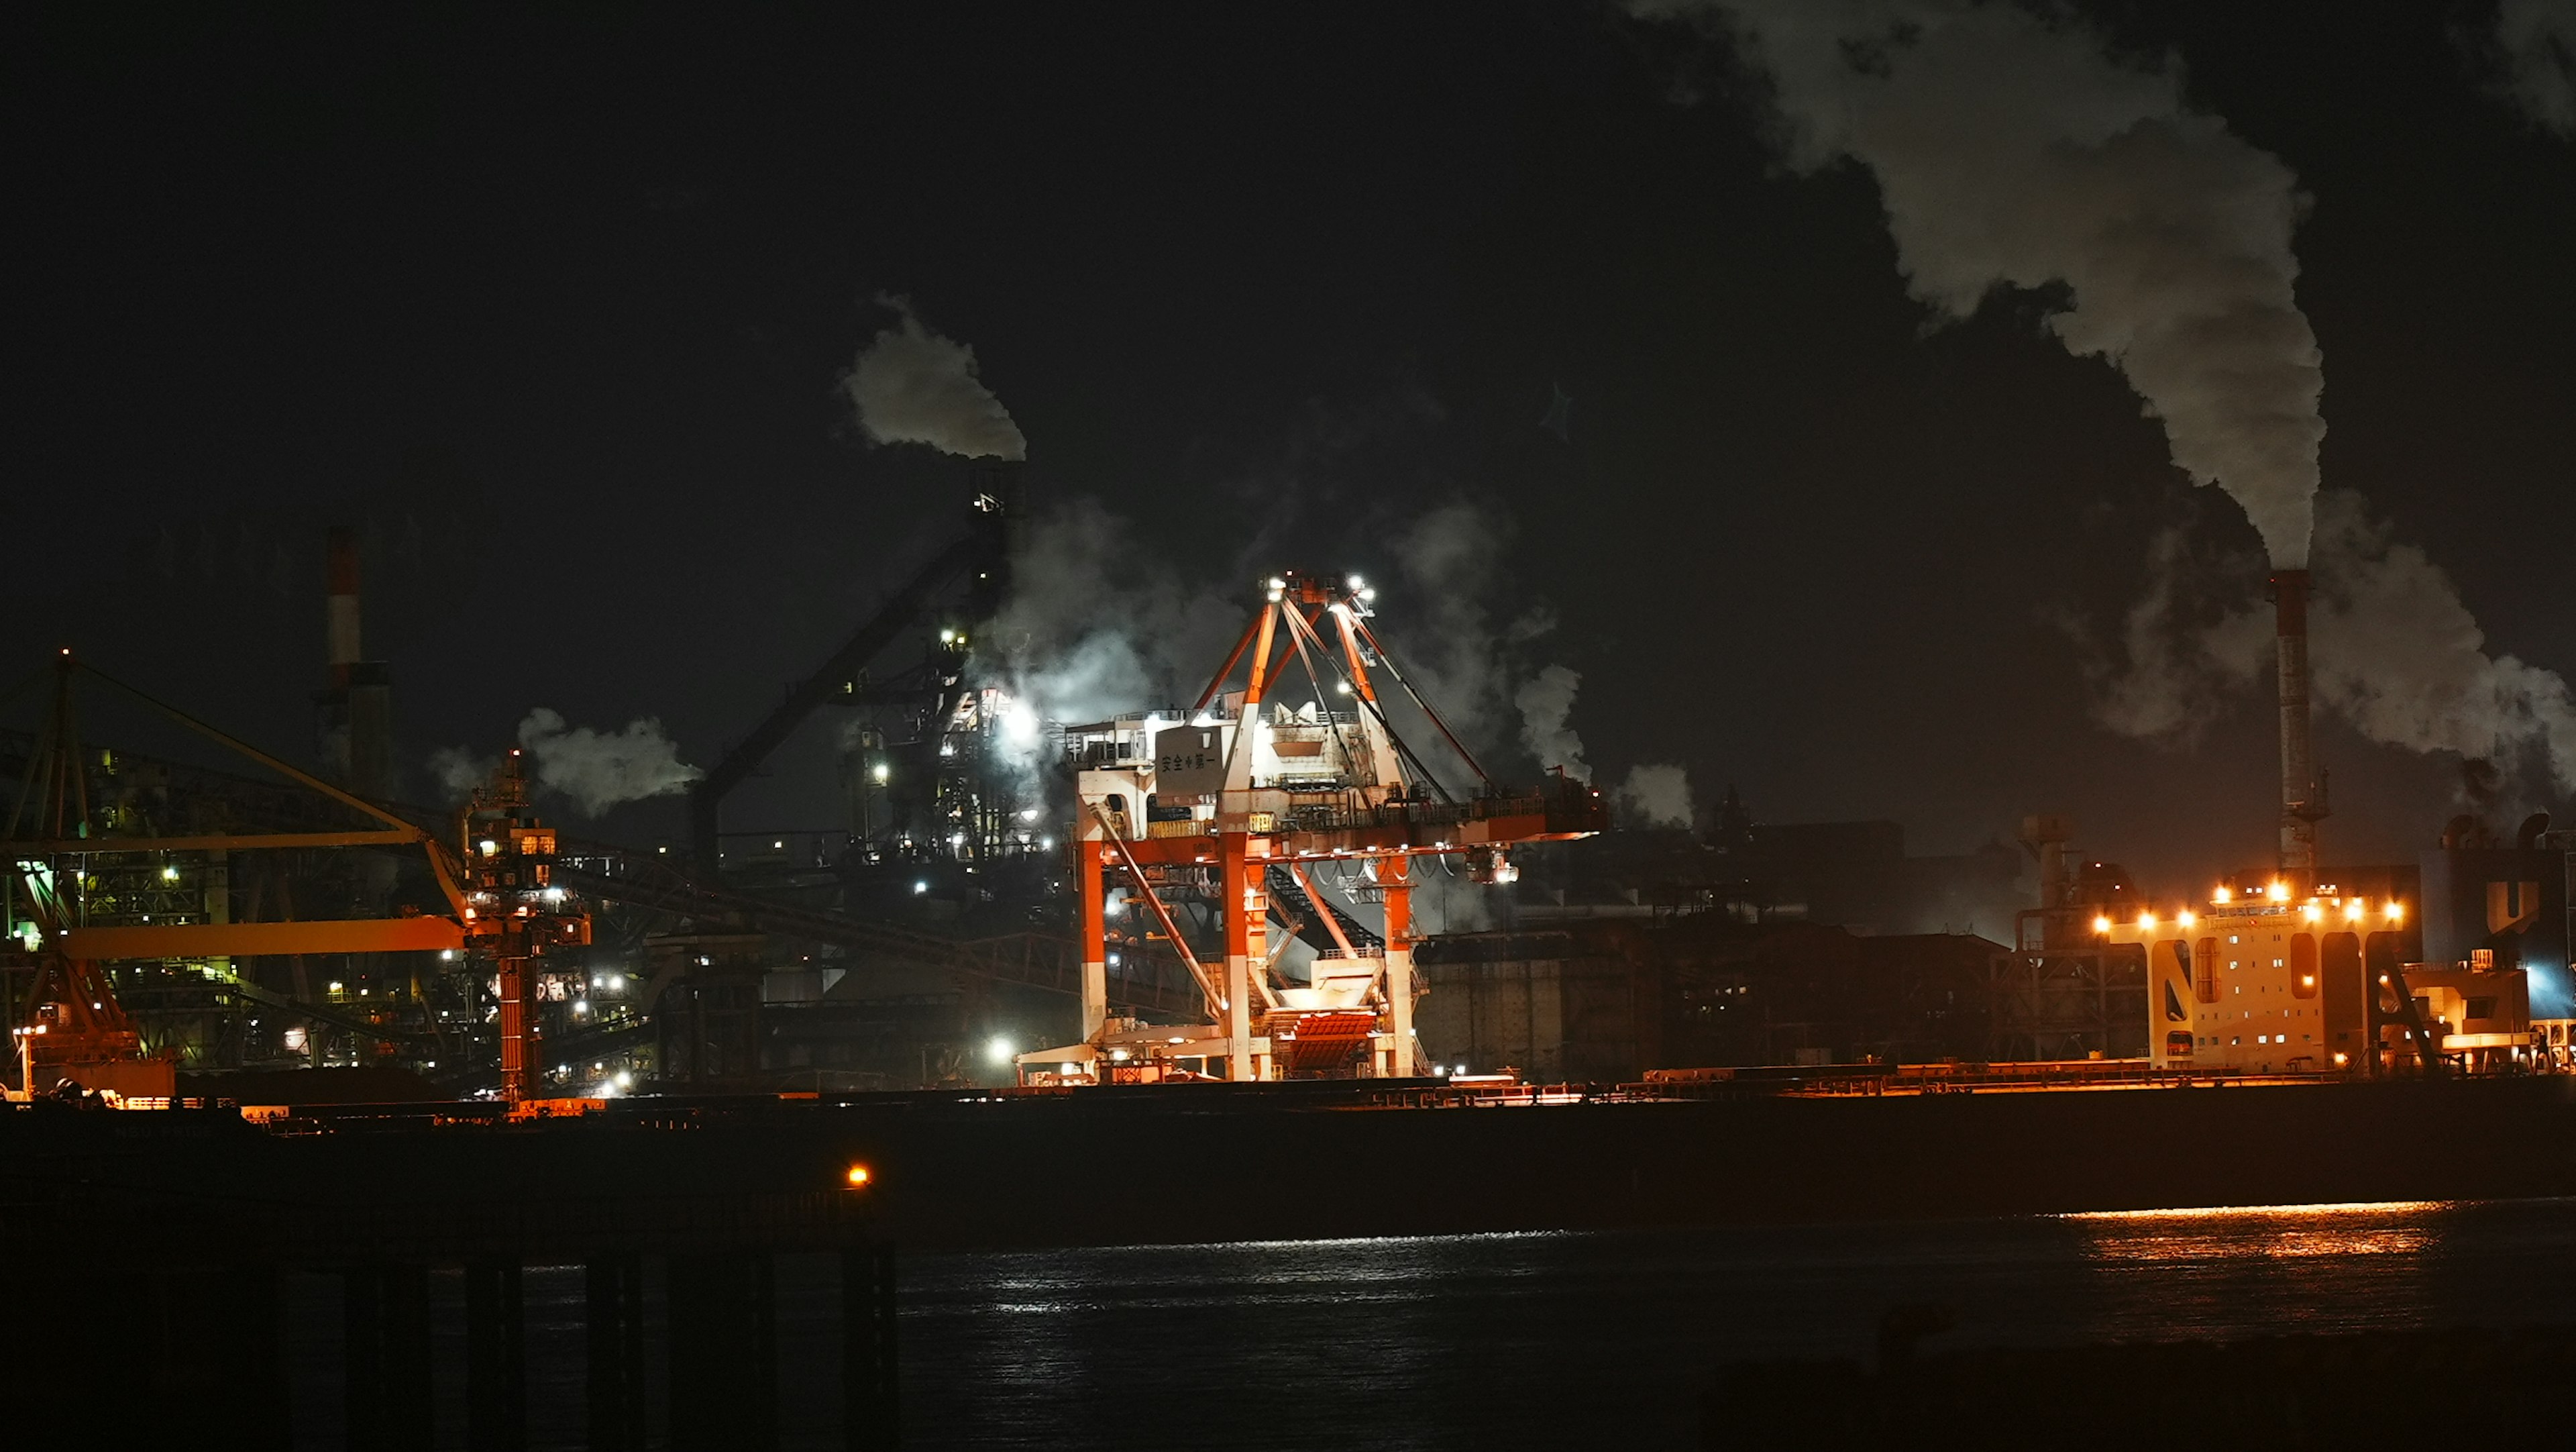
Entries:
{"x":502,"y":906}
{"x":1247,"y":800}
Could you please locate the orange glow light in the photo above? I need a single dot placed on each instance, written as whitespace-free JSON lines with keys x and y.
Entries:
{"x":2101,"y":925}
{"x":2222,"y":895}
{"x":2146,"y":922}
{"x":2184,"y":918}
{"x":2396,"y":910}
{"x":2280,"y":892}
{"x":858,"y":1177}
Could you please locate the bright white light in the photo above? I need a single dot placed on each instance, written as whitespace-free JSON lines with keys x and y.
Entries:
{"x":617,"y":980}
{"x":1046,"y":844}
{"x":1342,"y":686}
{"x":1070,"y":1068}
{"x":919,"y":888}
{"x":1021,"y":726}
{"x":625,"y":1080}
{"x":1369,"y":594}
{"x":1028,"y":814}
{"x":880,"y":772}
{"x":581,"y":1005}
{"x":2185,"y":918}
{"x":169,"y":874}
{"x":1358,"y":584}
{"x":1113,"y":960}
{"x":999,"y":1051}
{"x":447,"y":955}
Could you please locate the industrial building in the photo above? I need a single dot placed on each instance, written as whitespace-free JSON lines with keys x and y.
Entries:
{"x":1219,"y":889}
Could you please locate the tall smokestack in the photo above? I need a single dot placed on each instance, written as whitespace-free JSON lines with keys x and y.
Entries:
{"x":354,"y":709}
{"x":340,"y":610}
{"x":2302,"y":797}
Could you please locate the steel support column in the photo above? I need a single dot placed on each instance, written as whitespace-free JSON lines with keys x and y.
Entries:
{"x":1091,"y":852}
{"x":1241,"y":908}
{"x":1396,"y":875}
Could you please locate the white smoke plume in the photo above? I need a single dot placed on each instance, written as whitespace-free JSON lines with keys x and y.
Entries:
{"x":2396,"y":653}
{"x":603,"y":769}
{"x":2535,"y":56}
{"x":2392,"y":650}
{"x":1656,"y":795}
{"x":459,"y":771}
{"x":2012,"y":151}
{"x":1085,"y":635}
{"x":1546,"y":703}
{"x":597,"y":769}
{"x":912,"y":386}
{"x":1444,"y":633}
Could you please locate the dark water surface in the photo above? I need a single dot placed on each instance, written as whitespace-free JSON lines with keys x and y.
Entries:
{"x":1510,"y":1341}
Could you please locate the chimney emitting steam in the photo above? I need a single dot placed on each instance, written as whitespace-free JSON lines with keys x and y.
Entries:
{"x":2303,"y":798}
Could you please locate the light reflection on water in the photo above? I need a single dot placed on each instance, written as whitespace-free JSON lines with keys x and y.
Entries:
{"x":2276,"y":1232}
{"x":1557,"y":1340}
{"x":1574,"y":1340}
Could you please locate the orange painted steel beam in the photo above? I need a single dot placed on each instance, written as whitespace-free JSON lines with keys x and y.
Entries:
{"x":247,"y":842}
{"x":253,"y":940}
{"x":1171,"y":929}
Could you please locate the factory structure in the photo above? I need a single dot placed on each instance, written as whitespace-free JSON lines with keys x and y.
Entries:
{"x":1269,"y":881}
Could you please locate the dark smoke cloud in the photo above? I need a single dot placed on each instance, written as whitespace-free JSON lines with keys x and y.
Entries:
{"x":2533,"y":54}
{"x":912,"y":386}
{"x":2012,"y":152}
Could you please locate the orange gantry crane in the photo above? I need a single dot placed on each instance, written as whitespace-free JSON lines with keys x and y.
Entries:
{"x":1246,"y":802}
{"x":503,"y":908}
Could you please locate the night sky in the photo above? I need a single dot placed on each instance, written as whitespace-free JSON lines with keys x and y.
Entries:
{"x":552,"y":301}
